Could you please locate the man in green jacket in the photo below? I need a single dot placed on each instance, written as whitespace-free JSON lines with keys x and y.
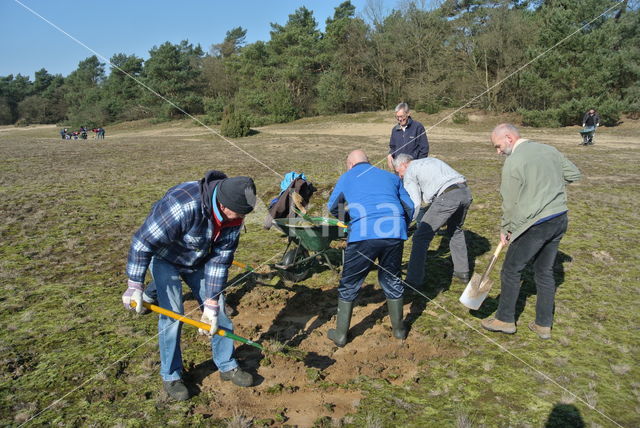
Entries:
{"x":534,"y":219}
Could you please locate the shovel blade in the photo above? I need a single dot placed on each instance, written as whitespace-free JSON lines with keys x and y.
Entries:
{"x":475,"y":292}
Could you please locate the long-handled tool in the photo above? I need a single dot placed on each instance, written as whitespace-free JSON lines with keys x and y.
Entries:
{"x":330,"y":221}
{"x":478,"y":288}
{"x":243,"y":266}
{"x":199,"y":324}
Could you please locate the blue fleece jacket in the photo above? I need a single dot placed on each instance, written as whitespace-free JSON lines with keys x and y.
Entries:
{"x":374,"y":203}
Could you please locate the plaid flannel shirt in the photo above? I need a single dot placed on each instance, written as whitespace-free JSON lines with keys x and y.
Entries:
{"x":179,"y":231}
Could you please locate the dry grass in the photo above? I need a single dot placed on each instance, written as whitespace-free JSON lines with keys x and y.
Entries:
{"x":69,"y":209}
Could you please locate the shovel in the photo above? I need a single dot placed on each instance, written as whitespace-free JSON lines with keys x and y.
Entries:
{"x":199,"y":324}
{"x":243,"y":266}
{"x":478,"y":288}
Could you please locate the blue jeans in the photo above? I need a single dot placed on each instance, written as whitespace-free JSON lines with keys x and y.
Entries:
{"x":166,"y":287}
{"x":358,"y":261}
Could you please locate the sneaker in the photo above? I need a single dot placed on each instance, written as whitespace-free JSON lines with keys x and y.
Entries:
{"x":238,"y":376}
{"x":493,"y":324}
{"x":176,"y":389}
{"x":542,"y":332}
{"x":461,"y":276}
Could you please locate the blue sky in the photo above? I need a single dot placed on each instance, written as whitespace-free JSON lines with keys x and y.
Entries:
{"x":28,"y":43}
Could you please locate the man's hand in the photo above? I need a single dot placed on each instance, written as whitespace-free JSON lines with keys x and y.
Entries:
{"x":505,"y":238}
{"x":210,"y":316}
{"x":390,"y":163}
{"x":133,"y":293}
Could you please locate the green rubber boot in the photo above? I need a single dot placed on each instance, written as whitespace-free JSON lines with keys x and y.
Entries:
{"x":395,"y":313}
{"x":339,"y":334}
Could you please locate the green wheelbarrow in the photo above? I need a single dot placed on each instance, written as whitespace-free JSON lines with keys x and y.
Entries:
{"x":587,"y":135}
{"x":309,"y":243}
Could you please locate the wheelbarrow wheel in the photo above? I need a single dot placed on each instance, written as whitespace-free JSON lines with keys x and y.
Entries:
{"x":294,"y":255}
{"x":291,"y":269}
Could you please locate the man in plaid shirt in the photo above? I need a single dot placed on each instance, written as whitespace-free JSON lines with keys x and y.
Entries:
{"x":191,"y":234}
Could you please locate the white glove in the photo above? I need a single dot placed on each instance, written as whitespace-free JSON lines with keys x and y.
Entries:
{"x":210,"y":316}
{"x":133,"y":294}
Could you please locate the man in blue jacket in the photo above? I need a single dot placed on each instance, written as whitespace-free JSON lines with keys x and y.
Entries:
{"x":378,"y":209}
{"x":191,"y":235}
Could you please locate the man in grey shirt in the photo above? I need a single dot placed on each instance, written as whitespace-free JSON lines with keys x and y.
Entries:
{"x":432,"y":181}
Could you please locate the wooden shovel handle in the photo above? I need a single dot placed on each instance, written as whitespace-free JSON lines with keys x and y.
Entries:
{"x":496,"y":253}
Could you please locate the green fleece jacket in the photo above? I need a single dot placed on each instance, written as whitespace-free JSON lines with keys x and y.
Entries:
{"x":533,"y":185}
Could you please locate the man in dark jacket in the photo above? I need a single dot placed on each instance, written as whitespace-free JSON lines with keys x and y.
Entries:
{"x":591,"y":119}
{"x":191,"y":234}
{"x":408,"y":136}
{"x":379,"y":210}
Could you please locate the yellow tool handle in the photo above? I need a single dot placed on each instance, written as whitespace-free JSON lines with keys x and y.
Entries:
{"x":240,"y":265}
{"x":202,"y":325}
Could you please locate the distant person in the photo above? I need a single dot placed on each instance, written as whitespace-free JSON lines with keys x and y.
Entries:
{"x":534,"y":220}
{"x":591,"y":119}
{"x":378,"y":209}
{"x":590,"y":122}
{"x":101,"y":133}
{"x":191,"y":235}
{"x":63,"y":133}
{"x":432,"y":181}
{"x":95,"y":132}
{"x":408,"y":136}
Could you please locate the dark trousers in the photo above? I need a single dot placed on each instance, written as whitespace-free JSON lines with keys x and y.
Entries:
{"x":358,"y":260}
{"x":540,"y":243}
{"x":451,"y":209}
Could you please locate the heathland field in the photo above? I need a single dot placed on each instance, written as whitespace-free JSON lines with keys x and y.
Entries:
{"x":70,"y":355}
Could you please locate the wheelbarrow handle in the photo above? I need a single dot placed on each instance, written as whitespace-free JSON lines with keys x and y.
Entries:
{"x":199,"y":324}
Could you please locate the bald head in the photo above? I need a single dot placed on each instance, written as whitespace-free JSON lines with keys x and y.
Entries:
{"x":356,"y":157}
{"x":504,"y":137}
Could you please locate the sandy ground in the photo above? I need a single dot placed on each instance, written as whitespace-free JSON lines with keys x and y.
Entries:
{"x":319,"y":385}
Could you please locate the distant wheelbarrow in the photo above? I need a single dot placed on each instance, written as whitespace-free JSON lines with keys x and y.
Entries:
{"x":311,"y":238}
{"x":587,"y":135}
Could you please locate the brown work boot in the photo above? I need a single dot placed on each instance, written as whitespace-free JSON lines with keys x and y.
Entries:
{"x":493,"y":324}
{"x":542,"y":332}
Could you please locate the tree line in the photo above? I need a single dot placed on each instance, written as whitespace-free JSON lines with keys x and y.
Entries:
{"x":460,"y":53}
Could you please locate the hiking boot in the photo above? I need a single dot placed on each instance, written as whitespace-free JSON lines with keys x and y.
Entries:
{"x":238,"y":376}
{"x":493,"y":324}
{"x":461,"y":277}
{"x":395,"y":313}
{"x":176,"y":389}
{"x":339,"y":334}
{"x":542,"y":332}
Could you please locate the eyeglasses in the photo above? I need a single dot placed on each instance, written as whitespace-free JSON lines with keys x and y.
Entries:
{"x":400,"y":117}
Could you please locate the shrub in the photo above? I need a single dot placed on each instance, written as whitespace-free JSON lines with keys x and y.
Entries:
{"x":234,"y":124}
{"x":213,"y":108}
{"x":429,"y":107}
{"x":610,"y":112}
{"x":541,"y":118}
{"x":460,"y":118}
{"x":22,"y":122}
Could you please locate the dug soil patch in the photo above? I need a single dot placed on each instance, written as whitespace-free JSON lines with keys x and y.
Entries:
{"x":323,"y":382}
